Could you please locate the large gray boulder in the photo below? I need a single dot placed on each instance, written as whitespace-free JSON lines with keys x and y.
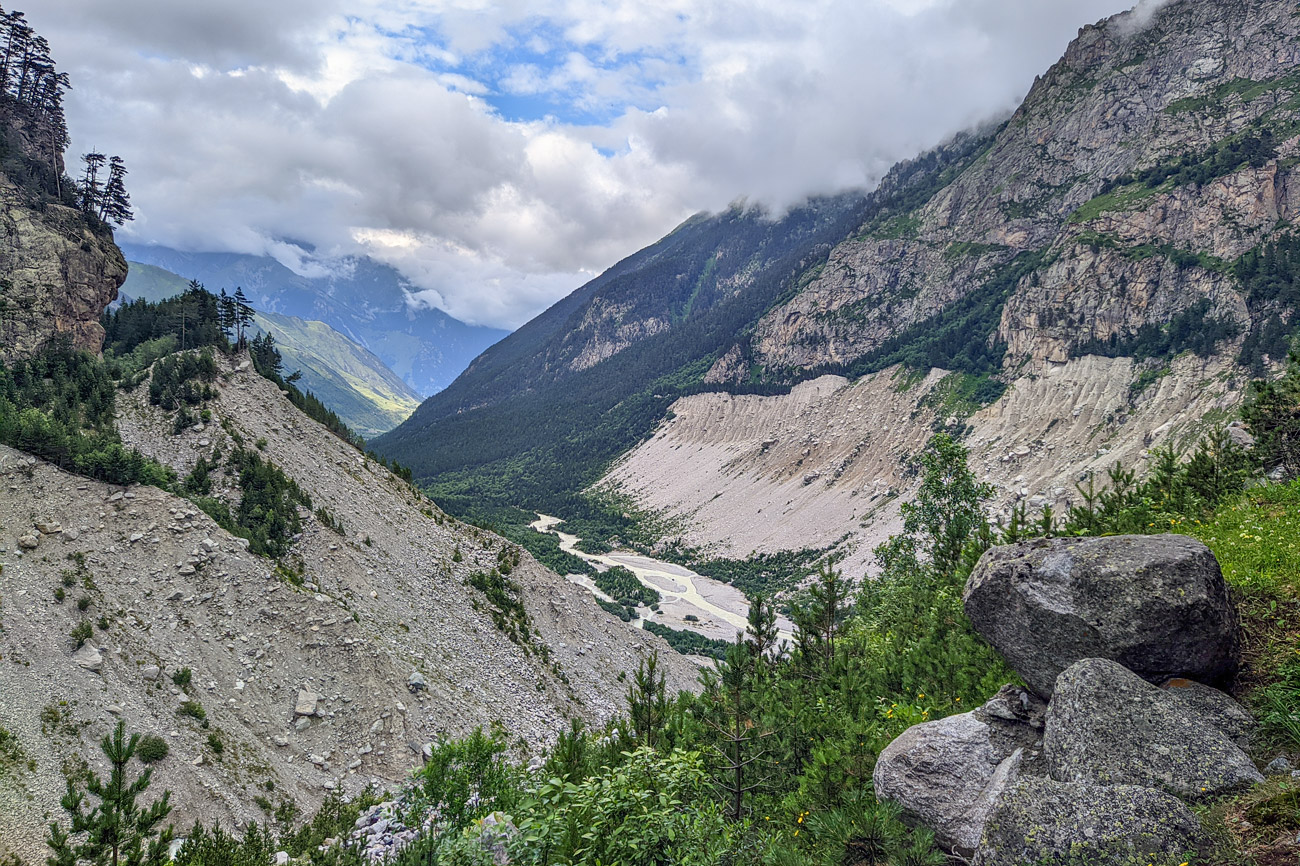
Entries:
{"x":1106,"y":726}
{"x":947,"y":774}
{"x":1156,"y":604}
{"x":1041,"y":820}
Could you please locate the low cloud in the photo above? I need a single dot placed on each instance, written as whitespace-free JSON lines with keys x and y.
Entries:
{"x":501,"y":156}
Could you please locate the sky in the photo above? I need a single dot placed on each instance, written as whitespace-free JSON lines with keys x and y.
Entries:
{"x":500,"y":154}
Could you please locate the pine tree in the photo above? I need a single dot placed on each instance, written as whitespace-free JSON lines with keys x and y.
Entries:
{"x":91,"y":191}
{"x":817,"y":620}
{"x":647,"y":702}
{"x":243,"y":318}
{"x":115,"y":203}
{"x":762,"y":632}
{"x":118,"y":831}
{"x":733,"y":707}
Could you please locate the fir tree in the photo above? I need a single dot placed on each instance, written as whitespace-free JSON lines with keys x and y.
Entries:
{"x":118,"y":831}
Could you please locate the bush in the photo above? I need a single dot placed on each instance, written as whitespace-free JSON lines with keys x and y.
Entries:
{"x":82,"y":632}
{"x":467,"y":779}
{"x":183,"y":677}
{"x":152,"y":749}
{"x":193,"y":709}
{"x":652,"y":809}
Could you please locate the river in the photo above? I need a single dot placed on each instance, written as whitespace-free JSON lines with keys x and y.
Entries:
{"x":720,"y":610}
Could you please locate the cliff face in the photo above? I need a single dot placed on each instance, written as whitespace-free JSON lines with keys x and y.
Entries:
{"x":1209,"y":87}
{"x":57,"y":272}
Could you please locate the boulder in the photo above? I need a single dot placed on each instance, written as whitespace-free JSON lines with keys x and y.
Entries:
{"x":945,"y":775}
{"x":1230,"y":718}
{"x":306,"y":704}
{"x":1107,"y":726}
{"x":29,"y":541}
{"x":1156,"y":604}
{"x":416,"y":682}
{"x":1041,"y":820}
{"x":88,"y":657}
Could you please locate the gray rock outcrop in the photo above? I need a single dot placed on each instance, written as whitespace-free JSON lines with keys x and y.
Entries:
{"x":1106,"y":726}
{"x":1039,"y":820}
{"x":1158,"y":605}
{"x":1213,"y":706}
{"x":947,"y":774}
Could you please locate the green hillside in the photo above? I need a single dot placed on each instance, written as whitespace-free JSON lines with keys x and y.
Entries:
{"x":369,"y":397}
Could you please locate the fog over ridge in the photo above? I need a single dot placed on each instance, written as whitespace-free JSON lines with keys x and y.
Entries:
{"x":500,"y":155}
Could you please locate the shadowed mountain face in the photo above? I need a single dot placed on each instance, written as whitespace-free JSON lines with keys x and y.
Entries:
{"x":1137,"y":207}
{"x":367,"y":303}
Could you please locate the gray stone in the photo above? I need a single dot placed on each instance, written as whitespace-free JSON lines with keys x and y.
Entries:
{"x":946,"y":775}
{"x":150,"y":673}
{"x":176,"y":596}
{"x":88,"y":657}
{"x":28,"y":542}
{"x":49,"y":528}
{"x":306,"y":704}
{"x":1231,"y":719}
{"x":1040,"y":820}
{"x":416,"y":682}
{"x":1156,"y":604}
{"x":1107,"y":726}
{"x":1279,"y":766}
{"x":302,"y":724}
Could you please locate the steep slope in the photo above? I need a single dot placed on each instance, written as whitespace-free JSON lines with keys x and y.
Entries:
{"x":348,"y":616}
{"x":60,"y":267}
{"x":1127,"y":234}
{"x":369,"y":397}
{"x":352,"y":381}
{"x":549,"y":405}
{"x":363,"y":300}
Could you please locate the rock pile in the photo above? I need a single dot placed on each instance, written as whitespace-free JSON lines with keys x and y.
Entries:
{"x":384,"y":829}
{"x":1118,"y":732}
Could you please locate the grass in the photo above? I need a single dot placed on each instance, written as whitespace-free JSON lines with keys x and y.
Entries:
{"x":1119,"y":199}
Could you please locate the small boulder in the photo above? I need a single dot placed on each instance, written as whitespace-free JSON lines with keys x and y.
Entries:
{"x":1107,"y":726}
{"x":150,"y":673}
{"x":306,"y":704}
{"x":1230,"y":718}
{"x":1156,"y":604}
{"x":1041,"y":821}
{"x":88,"y":657}
{"x":416,"y":682}
{"x":1279,"y":766}
{"x":28,"y":541}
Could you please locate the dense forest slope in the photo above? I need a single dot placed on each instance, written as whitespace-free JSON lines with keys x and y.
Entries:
{"x":1136,"y":207}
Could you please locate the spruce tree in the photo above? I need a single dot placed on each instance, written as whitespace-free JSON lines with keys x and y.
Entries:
{"x":647,"y":701}
{"x":118,"y":831}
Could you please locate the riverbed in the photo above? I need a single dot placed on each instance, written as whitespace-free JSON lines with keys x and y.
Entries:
{"x":719,"y":609}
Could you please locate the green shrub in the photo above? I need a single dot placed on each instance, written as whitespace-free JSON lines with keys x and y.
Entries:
{"x":215,"y":847}
{"x":151,"y":749}
{"x":183,"y":677}
{"x":467,"y":779}
{"x":193,"y":709}
{"x":81,"y":633}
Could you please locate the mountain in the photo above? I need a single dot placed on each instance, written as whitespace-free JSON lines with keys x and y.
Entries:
{"x":1096,"y":276}
{"x":350,"y":380}
{"x":363,"y":300}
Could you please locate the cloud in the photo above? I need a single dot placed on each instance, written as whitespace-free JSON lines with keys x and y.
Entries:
{"x":501,"y":153}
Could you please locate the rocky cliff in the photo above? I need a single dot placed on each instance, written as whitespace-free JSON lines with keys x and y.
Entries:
{"x":328,"y":670}
{"x":59,"y":269}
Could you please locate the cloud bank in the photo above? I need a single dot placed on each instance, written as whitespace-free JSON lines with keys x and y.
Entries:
{"x":501,"y":153}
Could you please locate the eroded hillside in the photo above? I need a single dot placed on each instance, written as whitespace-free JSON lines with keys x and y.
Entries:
{"x":304,"y":671}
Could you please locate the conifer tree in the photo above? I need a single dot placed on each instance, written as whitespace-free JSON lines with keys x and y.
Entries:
{"x":733,"y":706}
{"x":115,"y":203}
{"x":118,"y":831}
{"x":647,"y":701}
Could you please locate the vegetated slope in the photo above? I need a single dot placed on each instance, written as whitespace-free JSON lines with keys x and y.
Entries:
{"x":535,"y":417}
{"x":379,"y":586}
{"x":1138,"y":205}
{"x":363,"y":300}
{"x":349,"y":379}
